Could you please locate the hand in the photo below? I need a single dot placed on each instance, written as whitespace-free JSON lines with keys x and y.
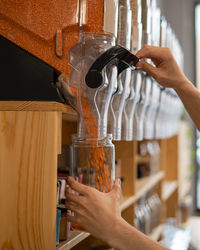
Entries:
{"x":166,"y":71}
{"x":99,"y":214}
{"x":95,"y":211}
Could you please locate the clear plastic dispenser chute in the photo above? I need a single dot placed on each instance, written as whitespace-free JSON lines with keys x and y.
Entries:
{"x":124,"y":78}
{"x":81,"y":57}
{"x":146,"y":83}
{"x":151,"y":110}
{"x":135,"y":83}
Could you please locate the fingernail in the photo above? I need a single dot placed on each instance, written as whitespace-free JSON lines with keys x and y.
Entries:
{"x":139,"y":65}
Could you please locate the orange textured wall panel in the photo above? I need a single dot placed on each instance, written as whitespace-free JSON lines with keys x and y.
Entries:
{"x":95,"y":15}
{"x":49,"y":28}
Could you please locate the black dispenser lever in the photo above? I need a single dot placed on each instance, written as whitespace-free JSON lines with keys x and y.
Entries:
{"x":125,"y":59}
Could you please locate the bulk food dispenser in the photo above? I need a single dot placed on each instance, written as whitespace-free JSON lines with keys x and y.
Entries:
{"x":58,"y":52}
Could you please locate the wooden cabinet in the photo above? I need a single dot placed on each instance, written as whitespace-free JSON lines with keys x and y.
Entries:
{"x":31,"y":135}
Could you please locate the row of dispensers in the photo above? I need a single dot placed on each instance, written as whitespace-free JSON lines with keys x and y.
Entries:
{"x":88,"y":51}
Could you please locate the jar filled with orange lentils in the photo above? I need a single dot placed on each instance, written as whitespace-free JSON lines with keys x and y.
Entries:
{"x":92,"y":162}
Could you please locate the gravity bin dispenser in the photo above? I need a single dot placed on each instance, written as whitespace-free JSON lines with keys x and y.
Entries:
{"x":96,"y":64}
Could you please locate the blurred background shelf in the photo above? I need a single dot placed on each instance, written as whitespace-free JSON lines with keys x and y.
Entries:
{"x":142,"y":187}
{"x":127,"y":202}
{"x":145,"y":184}
{"x":168,"y":188}
{"x":156,"y":233}
{"x":143,"y":159}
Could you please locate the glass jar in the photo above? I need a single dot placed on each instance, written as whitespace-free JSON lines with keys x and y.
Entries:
{"x":93,"y":163}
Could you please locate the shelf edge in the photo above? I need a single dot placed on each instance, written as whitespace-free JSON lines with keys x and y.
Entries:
{"x":66,"y":245}
{"x":168,"y":188}
{"x":150,"y":182}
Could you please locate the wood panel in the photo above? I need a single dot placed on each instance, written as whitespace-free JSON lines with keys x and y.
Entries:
{"x":129,"y":214}
{"x":68,"y":129}
{"x":126,"y":151}
{"x":171,"y":205}
{"x":171,"y":159}
{"x":35,"y":106}
{"x":28,"y":174}
{"x":163,"y":156}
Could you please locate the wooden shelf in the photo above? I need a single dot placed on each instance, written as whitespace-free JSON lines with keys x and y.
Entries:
{"x":127,"y":202}
{"x":156,"y":233}
{"x":145,"y":184}
{"x":142,"y":187}
{"x":75,"y":238}
{"x":69,"y":114}
{"x":168,"y":189}
{"x":143,"y":159}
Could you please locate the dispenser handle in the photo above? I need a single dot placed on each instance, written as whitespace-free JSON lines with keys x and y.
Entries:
{"x":125,"y":59}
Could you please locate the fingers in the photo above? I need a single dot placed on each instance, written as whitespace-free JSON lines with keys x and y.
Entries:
{"x":73,"y":219}
{"x":116,"y":189}
{"x":74,"y":197}
{"x":117,"y":185}
{"x":148,"y":68}
{"x":78,"y":187}
{"x":73,"y":207}
{"x":157,"y":54}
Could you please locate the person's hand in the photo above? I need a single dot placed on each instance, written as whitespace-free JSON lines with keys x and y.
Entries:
{"x":166,"y":71}
{"x":95,"y":211}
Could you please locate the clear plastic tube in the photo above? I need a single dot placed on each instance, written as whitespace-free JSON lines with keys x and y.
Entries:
{"x":103,"y":99}
{"x":135,"y":85}
{"x":130,"y":107}
{"x":149,"y":119}
{"x":118,"y":100}
{"x":138,"y":125}
{"x":81,"y":57}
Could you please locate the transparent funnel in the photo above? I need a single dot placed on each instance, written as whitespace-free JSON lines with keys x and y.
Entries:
{"x":124,"y":78}
{"x":82,"y":57}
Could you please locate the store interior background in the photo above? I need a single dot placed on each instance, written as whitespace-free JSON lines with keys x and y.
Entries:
{"x":181,"y":16}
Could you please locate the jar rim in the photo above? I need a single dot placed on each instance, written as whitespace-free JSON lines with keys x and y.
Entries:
{"x":88,"y":138}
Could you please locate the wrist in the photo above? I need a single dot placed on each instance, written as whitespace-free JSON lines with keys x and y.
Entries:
{"x":113,"y":236}
{"x":182,"y":86}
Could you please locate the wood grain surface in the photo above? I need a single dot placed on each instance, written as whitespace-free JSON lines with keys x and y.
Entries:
{"x":28,"y":173}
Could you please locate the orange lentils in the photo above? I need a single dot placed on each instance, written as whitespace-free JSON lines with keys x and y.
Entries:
{"x":97,"y":159}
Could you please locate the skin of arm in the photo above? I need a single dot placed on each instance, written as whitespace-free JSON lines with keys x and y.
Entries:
{"x":99,"y":214}
{"x":168,"y":74}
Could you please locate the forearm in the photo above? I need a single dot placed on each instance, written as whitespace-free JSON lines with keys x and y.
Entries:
{"x":190,"y":97}
{"x":126,"y":237}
